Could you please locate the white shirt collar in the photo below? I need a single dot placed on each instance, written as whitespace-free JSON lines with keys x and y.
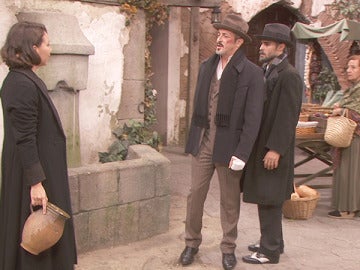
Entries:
{"x":220,"y":69}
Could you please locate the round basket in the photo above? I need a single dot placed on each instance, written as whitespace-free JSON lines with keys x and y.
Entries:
{"x":300,"y":208}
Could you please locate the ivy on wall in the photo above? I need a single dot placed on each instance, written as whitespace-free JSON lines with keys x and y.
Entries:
{"x":349,"y":9}
{"x":136,"y":132}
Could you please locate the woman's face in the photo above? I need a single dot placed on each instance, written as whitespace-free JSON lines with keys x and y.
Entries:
{"x":44,"y":50}
{"x":353,"y":71}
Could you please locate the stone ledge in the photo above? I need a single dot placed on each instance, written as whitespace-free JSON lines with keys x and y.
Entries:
{"x":120,"y":202}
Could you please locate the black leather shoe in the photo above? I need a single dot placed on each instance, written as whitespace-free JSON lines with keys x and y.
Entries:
{"x":187,"y":256}
{"x":229,"y":261}
{"x":255,"y":248}
{"x":259,"y":258}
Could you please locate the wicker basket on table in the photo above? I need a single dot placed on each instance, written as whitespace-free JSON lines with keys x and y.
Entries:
{"x":304,"y":117}
{"x":300,"y":208}
{"x":305,"y":130}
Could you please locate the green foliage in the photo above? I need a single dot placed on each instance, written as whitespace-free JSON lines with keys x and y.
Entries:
{"x":134,"y":132}
{"x":349,"y":9}
{"x":326,"y":81}
{"x":118,"y":150}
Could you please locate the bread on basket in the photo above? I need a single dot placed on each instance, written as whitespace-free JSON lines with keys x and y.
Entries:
{"x":302,"y":203}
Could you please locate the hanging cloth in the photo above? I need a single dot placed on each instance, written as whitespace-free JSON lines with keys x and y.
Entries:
{"x":349,"y":30}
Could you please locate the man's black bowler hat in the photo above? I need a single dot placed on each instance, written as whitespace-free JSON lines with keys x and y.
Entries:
{"x":276,"y":32}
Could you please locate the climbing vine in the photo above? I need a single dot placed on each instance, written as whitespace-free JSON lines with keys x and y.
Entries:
{"x":136,"y":132}
{"x":349,"y":9}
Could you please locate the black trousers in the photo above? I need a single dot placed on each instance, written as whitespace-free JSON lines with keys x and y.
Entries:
{"x":271,"y":240}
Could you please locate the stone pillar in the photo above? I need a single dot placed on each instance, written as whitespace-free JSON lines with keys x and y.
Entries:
{"x":133,"y":88}
{"x":66,"y":72}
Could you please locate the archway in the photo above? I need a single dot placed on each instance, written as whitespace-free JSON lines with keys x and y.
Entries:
{"x":276,"y":13}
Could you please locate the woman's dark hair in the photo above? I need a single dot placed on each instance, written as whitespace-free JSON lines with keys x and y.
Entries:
{"x":18,"y":50}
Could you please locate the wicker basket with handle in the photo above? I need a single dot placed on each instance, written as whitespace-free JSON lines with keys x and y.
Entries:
{"x":339,"y":130}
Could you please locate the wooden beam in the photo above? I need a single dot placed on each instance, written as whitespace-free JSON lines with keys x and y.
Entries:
{"x":192,"y":3}
{"x":175,"y":3}
{"x":101,"y":2}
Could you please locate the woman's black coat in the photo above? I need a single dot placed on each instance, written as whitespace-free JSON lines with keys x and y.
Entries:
{"x":34,"y":150}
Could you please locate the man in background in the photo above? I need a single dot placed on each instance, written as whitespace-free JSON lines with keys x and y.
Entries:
{"x":269,"y":174}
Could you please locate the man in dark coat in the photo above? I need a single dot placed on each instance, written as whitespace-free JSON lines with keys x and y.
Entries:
{"x":34,"y":167}
{"x":269,"y":173}
{"x":227,"y":113}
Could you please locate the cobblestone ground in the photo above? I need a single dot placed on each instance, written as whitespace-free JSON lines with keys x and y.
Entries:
{"x":317,"y":243}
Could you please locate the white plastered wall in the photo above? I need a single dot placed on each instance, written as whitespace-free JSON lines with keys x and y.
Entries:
{"x":104,"y":27}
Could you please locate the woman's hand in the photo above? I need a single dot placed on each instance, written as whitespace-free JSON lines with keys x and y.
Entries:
{"x":38,"y":196}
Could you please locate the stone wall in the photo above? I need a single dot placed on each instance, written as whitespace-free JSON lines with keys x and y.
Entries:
{"x":106,"y":89}
{"x":121,"y":202}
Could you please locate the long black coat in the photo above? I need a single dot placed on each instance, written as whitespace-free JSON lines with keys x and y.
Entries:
{"x":34,"y":150}
{"x":238,"y":138}
{"x":280,"y":116}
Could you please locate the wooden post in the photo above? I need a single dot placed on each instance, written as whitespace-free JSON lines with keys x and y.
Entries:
{"x":193,"y":67}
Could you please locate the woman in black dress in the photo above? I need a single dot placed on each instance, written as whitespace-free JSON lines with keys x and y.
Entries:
{"x":34,"y":168}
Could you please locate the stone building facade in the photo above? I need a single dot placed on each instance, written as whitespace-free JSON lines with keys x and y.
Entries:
{"x":115,"y":75}
{"x":174,"y":108}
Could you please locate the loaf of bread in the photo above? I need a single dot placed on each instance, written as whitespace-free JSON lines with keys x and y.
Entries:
{"x":305,"y":191}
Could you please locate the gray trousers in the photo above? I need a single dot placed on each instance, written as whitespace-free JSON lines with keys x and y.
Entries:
{"x":229,"y":182}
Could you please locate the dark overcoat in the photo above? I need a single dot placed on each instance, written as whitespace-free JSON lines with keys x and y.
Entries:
{"x":34,"y":150}
{"x":280,"y":116}
{"x":236,"y":139}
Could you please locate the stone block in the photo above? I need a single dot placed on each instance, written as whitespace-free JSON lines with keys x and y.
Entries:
{"x":74,"y":192}
{"x":162,"y":186}
{"x":70,"y":49}
{"x":81,"y":224}
{"x":66,"y":68}
{"x":64,"y":31}
{"x":162,"y":176}
{"x":153,"y":216}
{"x":120,"y":202}
{"x":134,"y":67}
{"x":98,"y":189}
{"x":103,"y":224}
{"x":137,"y":182}
{"x":161,"y":167}
{"x":132,"y":98}
{"x":127,"y":230}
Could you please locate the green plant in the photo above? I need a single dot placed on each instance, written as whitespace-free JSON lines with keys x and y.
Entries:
{"x":349,"y":9}
{"x":134,"y":132}
{"x":139,"y":132}
{"x":326,"y":81}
